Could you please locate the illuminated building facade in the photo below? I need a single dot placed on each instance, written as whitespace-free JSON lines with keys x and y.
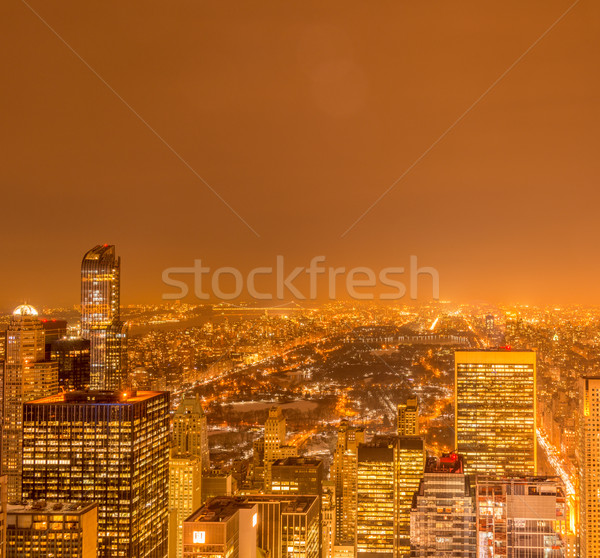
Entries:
{"x":328,"y":519}
{"x":409,"y":468}
{"x":3,"y":511}
{"x":442,"y":518}
{"x":100,"y":317}
{"x":27,"y":375}
{"x":185,"y":496}
{"x":271,"y":447}
{"x":46,"y":529}
{"x":72,"y":356}
{"x":376,"y":495}
{"x":521,"y":517}
{"x":589,"y":467}
{"x":108,"y":447}
{"x":222,"y":528}
{"x":344,"y":474}
{"x":408,"y":418}
{"x":495,"y":411}
{"x":190,"y":433}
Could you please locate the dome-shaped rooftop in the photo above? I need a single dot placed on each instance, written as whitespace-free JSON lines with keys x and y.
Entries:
{"x":25,"y":310}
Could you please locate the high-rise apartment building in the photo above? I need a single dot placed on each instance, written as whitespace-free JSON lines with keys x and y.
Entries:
{"x":190,"y":432}
{"x":589,"y":467}
{"x":185,"y":496}
{"x":72,"y":356}
{"x":46,"y":529}
{"x":442,"y":518}
{"x":344,"y":474}
{"x":408,"y":418}
{"x":110,"y":448}
{"x":100,"y":317}
{"x":521,"y":517}
{"x":495,"y":411}
{"x":27,"y":375}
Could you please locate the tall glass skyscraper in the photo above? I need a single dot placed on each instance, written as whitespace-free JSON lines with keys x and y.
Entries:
{"x":101,"y":317}
{"x":108,"y":448}
{"x":495,"y":411}
{"x":442,"y":518}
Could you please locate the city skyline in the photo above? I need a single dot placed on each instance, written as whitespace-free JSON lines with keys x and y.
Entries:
{"x":300,"y":120}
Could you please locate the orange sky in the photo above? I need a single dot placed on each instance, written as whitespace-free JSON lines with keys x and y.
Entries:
{"x":300,"y":114}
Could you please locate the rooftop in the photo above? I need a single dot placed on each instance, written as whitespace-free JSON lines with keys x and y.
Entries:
{"x":95,"y":397}
{"x":297,"y":462}
{"x":55,"y":508}
{"x":219,"y":509}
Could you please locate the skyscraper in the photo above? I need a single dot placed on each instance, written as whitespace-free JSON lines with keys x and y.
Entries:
{"x":344,"y":473}
{"x":520,"y":517}
{"x":408,"y":418}
{"x":442,"y":518}
{"x":589,"y":467}
{"x":185,"y":497}
{"x":495,"y":410}
{"x":376,"y":498}
{"x":27,"y":375}
{"x":110,"y":448}
{"x":409,"y":467}
{"x":190,"y":434}
{"x":100,"y":317}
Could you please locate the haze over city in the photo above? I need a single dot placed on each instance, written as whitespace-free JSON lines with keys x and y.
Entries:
{"x":300,"y":117}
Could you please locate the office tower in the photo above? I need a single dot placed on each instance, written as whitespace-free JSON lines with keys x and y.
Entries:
{"x":288,"y":526}
{"x":589,"y":466}
{"x":495,"y":411}
{"x":190,"y":433}
{"x":222,"y":528}
{"x":442,"y":518}
{"x":375,"y":495}
{"x":3,"y":512}
{"x":520,"y":517}
{"x":72,"y":356}
{"x":185,"y":496}
{"x":100,"y":317}
{"x":409,"y":468}
{"x":47,"y":529}
{"x":53,"y":331}
{"x":217,"y":482}
{"x":489,"y":325}
{"x":344,"y":473}
{"x":110,"y":448}
{"x":408,"y":418}
{"x":297,"y":475}
{"x":27,"y":376}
